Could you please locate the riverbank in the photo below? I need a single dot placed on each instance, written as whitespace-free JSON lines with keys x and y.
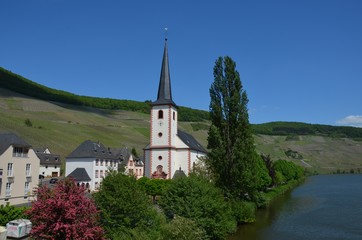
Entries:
{"x":275,"y":192}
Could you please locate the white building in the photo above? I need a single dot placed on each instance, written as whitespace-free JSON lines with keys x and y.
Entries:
{"x":170,"y":149}
{"x":90,"y":162}
{"x":49,"y":163}
{"x":19,"y":170}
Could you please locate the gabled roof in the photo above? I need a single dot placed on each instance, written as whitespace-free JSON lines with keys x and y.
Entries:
{"x":89,"y":149}
{"x":190,"y":141}
{"x":48,"y":159}
{"x":11,"y":139}
{"x":80,"y":175}
{"x":164,"y":96}
{"x":179,"y":173}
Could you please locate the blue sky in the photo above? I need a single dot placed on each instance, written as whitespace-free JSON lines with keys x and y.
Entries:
{"x":298,"y":60}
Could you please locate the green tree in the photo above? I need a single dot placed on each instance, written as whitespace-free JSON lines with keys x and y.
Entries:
{"x":232,"y":155}
{"x":153,"y":187}
{"x":198,"y":199}
{"x":126,"y":210}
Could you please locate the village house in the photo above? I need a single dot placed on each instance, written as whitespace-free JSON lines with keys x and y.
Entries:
{"x":49,"y":163}
{"x":90,"y":162}
{"x":132,"y":165}
{"x":19,"y":170}
{"x":170,"y":150}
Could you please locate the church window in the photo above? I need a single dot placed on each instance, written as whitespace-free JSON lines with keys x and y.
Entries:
{"x":159,"y":157}
{"x":160,"y":134}
{"x":174,"y":115}
{"x":160,"y":114}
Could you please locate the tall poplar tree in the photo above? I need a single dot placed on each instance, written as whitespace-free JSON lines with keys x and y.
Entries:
{"x":232,"y":158}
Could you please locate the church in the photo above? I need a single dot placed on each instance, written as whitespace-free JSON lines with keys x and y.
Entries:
{"x":171,"y":152}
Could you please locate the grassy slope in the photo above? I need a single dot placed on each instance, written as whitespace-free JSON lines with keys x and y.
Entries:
{"x":63,"y":127}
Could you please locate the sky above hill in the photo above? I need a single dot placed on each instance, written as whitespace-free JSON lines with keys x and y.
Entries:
{"x":298,"y":60}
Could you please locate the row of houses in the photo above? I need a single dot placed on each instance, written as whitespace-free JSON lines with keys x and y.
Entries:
{"x":21,"y":166}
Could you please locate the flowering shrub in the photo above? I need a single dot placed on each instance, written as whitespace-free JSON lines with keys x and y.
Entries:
{"x":64,"y":212}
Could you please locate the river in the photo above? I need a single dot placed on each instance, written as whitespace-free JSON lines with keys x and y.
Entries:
{"x":324,"y":207}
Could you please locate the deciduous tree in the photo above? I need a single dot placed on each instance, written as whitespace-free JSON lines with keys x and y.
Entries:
{"x":232,"y":156}
{"x":126,"y":211}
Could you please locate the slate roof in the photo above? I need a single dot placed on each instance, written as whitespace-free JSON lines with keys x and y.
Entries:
{"x":179,"y":173}
{"x":48,"y":159}
{"x":80,"y":175}
{"x":11,"y":139}
{"x":89,"y":149}
{"x":124,"y":155}
{"x":164,"y":95}
{"x":190,"y":141}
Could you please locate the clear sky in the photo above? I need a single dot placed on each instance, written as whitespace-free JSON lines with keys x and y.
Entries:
{"x":299,"y":60}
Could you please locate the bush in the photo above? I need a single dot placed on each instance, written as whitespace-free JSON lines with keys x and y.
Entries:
{"x":181,"y":228}
{"x":9,"y":213}
{"x":243,"y":211}
{"x":196,"y":198}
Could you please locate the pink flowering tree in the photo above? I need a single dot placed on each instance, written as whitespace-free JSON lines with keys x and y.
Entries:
{"x":64,"y":212}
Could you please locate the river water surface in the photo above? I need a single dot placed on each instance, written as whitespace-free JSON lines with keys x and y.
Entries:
{"x":324,"y":207}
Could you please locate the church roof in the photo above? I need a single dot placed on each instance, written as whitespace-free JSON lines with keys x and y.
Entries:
{"x":190,"y":141}
{"x":164,"y":96}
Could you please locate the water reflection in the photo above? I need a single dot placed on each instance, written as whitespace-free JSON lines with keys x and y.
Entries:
{"x":324,"y":207}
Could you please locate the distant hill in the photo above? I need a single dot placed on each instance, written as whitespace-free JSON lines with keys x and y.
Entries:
{"x":19,"y":84}
{"x":60,"y":124}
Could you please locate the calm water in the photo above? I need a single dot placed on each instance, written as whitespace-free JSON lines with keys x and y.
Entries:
{"x":324,"y":207}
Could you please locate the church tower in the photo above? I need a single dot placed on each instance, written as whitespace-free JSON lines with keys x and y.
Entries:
{"x":170,"y":151}
{"x":163,"y":122}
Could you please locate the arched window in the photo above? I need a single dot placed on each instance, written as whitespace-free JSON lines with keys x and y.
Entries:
{"x":160,"y":114}
{"x":174,"y":115}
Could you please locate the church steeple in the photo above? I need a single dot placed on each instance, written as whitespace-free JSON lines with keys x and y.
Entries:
{"x":164,"y":96}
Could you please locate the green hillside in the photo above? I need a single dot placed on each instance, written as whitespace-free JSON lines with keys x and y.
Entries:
{"x":19,"y":84}
{"x":61,"y":121}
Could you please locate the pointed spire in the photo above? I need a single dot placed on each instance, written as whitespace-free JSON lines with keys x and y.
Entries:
{"x":164,"y":95}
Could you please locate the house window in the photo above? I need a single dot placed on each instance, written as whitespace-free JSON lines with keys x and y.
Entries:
{"x":27,"y":170}
{"x":102,"y":162}
{"x":106,"y":173}
{"x":106,"y":162}
{"x":96,"y":185}
{"x":20,"y":152}
{"x":10,"y":170}
{"x":101,"y":173}
{"x":26,"y":189}
{"x":131,"y":163}
{"x":174,"y":115}
{"x":1,"y":173}
{"x":8,"y":190}
{"x":160,"y":114}
{"x":130,"y":171}
{"x":96,"y":174}
{"x":97,"y":162}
